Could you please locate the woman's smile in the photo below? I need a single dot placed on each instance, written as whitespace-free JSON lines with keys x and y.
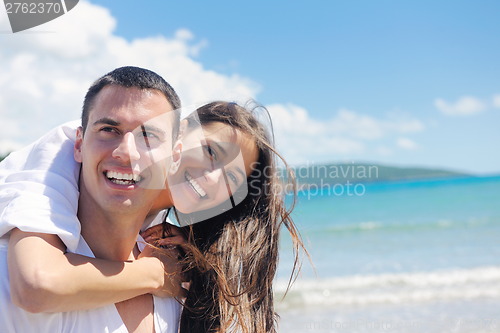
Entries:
{"x":195,"y":185}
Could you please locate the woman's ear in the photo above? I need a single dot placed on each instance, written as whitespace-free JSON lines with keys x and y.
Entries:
{"x":77,"y":150}
{"x":176,"y":156}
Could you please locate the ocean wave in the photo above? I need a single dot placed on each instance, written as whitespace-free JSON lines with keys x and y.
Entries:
{"x":361,"y":226}
{"x":403,"y":226}
{"x":360,"y":290}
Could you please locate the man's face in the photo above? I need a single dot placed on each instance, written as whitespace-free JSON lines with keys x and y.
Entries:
{"x":124,"y":150}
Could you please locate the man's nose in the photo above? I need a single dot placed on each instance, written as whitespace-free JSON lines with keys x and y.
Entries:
{"x":127,"y":149}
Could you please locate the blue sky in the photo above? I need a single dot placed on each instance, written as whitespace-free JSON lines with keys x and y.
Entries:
{"x":395,"y":82}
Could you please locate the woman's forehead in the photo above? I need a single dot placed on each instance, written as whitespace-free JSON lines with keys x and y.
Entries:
{"x":215,"y":131}
{"x":231,"y":140}
{"x":221,"y":130}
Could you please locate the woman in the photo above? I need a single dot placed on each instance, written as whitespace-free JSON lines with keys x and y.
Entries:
{"x":232,"y":255}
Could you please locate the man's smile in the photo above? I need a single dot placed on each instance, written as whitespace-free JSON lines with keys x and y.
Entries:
{"x":122,"y":178}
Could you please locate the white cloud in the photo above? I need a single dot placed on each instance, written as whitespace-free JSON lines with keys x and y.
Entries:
{"x":496,"y":101}
{"x":383,"y":151}
{"x":406,"y":143}
{"x":367,"y":127}
{"x":300,"y":138}
{"x":464,"y":106}
{"x":46,"y":71}
{"x":348,"y":134}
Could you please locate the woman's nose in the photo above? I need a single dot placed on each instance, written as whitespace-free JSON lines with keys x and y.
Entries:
{"x":213,"y":176}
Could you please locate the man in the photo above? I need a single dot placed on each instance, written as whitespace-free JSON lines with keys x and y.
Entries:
{"x":127,"y":123}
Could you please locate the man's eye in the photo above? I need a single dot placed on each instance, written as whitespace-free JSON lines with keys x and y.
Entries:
{"x":149,"y":135}
{"x":108,"y":129}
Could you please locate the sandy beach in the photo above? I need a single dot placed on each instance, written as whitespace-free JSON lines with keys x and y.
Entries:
{"x":477,"y":316}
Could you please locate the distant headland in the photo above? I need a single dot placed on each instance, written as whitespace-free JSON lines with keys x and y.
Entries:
{"x":334,"y":173}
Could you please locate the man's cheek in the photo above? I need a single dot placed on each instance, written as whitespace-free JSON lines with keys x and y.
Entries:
{"x":153,"y":173}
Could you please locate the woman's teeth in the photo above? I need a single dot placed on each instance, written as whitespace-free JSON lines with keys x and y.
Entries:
{"x":196,"y":187}
{"x":122,"y":178}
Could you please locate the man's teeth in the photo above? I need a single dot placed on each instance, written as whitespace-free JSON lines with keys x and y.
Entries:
{"x":122,"y":178}
{"x":194,"y":184}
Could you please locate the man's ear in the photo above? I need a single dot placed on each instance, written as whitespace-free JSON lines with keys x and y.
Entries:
{"x":176,"y":157}
{"x":182,"y":129}
{"x":77,"y":151}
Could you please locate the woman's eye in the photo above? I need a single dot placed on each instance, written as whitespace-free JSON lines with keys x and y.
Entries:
{"x":232,"y":177}
{"x":211,"y":152}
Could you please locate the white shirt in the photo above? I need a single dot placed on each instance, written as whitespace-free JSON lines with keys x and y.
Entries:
{"x":104,"y":319}
{"x":39,"y":193}
{"x":39,"y":187}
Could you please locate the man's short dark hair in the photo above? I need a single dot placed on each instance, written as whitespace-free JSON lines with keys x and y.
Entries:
{"x":132,"y":77}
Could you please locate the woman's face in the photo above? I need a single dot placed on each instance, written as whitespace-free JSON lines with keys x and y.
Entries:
{"x":210,"y":163}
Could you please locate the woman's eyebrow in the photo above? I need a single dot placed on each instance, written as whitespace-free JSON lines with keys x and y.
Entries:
{"x":225,"y":153}
{"x":238,"y":170}
{"x":219,"y":147}
{"x":243,"y":175}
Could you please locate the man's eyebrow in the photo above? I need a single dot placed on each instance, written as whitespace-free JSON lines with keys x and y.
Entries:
{"x":152,"y":128}
{"x":106,"y":121}
{"x":112,"y":122}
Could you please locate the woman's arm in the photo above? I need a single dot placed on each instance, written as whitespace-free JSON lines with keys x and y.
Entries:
{"x":43,"y":278}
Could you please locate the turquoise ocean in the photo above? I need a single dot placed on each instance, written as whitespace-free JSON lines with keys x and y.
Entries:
{"x":409,"y":256}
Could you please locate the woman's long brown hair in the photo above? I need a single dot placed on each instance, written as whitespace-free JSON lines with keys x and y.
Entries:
{"x":234,"y":257}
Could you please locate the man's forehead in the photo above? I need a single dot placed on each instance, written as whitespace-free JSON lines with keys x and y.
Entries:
{"x":120,"y":94}
{"x":121,"y":104}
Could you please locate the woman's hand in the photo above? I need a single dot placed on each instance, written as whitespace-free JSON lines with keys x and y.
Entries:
{"x":164,"y":241}
{"x":164,"y":235}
